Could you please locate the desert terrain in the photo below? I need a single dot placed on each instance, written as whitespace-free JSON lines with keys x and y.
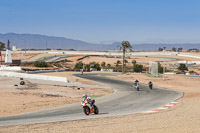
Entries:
{"x":17,"y":99}
{"x":183,"y":117}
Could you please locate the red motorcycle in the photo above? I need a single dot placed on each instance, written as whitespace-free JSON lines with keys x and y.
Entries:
{"x":87,"y":109}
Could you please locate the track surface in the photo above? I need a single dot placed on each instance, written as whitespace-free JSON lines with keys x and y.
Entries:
{"x":125,"y":100}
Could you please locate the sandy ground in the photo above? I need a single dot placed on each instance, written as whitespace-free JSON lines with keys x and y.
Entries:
{"x":183,"y":117}
{"x":20,"y":56}
{"x":31,"y":97}
{"x":70,"y":77}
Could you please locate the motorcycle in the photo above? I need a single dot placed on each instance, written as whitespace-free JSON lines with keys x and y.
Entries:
{"x":87,"y":109}
{"x":136,"y":86}
{"x":150,"y":85}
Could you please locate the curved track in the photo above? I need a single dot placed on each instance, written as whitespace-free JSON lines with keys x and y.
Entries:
{"x":125,"y":100}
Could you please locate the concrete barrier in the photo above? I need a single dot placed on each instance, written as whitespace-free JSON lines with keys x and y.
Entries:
{"x":46,"y":71}
{"x":189,"y":55}
{"x":10,"y":68}
{"x":33,"y":76}
{"x":189,"y":62}
{"x":107,"y":70}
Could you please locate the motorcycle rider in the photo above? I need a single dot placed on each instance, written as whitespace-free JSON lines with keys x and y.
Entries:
{"x":150,"y":85}
{"x":136,"y":84}
{"x":88,"y":100}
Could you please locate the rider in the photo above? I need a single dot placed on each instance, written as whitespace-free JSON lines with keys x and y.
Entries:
{"x":88,"y":100}
{"x":136,"y":83}
{"x":150,"y":84}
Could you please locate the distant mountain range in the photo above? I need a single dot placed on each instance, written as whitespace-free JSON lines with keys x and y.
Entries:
{"x":37,"y":41}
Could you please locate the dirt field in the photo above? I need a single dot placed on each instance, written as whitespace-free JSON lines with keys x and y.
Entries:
{"x":184,"y":117}
{"x":32,"y":97}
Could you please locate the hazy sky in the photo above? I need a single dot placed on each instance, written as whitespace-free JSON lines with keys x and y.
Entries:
{"x":105,"y":21}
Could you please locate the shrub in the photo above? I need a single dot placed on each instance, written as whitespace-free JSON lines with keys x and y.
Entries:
{"x":79,"y":65}
{"x":40,"y":64}
{"x":103,"y":64}
{"x":138,"y":68}
{"x":182,"y":68}
{"x":95,"y":65}
{"x":160,"y":68}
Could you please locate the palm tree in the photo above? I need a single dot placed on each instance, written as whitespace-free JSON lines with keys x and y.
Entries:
{"x":125,"y":62}
{"x":125,"y":45}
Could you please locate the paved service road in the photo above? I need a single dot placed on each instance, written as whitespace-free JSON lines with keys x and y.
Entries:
{"x":125,"y":100}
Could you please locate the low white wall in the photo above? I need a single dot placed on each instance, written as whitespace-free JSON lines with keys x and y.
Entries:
{"x":189,"y":55}
{"x":97,"y":52}
{"x":32,"y":76}
{"x":114,"y":53}
{"x":107,"y":70}
{"x":10,"y":68}
{"x":46,"y":71}
{"x":189,"y":62}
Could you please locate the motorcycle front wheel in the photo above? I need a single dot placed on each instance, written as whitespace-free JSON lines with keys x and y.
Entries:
{"x":86,"y":110}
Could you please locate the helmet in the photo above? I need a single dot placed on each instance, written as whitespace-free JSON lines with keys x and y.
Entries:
{"x":88,"y":98}
{"x":84,"y":95}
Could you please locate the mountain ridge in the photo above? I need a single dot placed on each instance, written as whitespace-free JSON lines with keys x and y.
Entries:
{"x":38,"y":41}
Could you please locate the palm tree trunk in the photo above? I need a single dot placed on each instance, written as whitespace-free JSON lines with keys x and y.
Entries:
{"x":123,"y":60}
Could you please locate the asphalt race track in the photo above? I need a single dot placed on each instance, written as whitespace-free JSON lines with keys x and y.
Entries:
{"x":126,"y":100}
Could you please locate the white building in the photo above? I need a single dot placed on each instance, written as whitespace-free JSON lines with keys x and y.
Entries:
{"x":8,"y":58}
{"x":14,"y":48}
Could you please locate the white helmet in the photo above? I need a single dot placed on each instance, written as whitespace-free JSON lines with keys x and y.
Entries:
{"x":84,"y":95}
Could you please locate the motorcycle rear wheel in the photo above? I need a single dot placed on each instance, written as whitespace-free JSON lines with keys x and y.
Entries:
{"x":96,"y":110}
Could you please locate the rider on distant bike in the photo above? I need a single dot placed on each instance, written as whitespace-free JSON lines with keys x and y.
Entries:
{"x":88,"y":100}
{"x":150,"y":85}
{"x":136,"y":85}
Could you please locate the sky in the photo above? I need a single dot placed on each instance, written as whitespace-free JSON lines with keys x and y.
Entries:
{"x":105,"y":21}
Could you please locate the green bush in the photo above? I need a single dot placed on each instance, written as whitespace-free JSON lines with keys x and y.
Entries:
{"x":138,"y":68}
{"x":192,"y":71}
{"x":182,"y":68}
{"x":103,"y":64}
{"x":79,"y":65}
{"x":40,"y":64}
{"x":87,"y":67}
{"x":160,"y":68}
{"x":95,"y":65}
{"x":2,"y":45}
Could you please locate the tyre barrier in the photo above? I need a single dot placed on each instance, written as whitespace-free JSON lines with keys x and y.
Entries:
{"x":22,"y":83}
